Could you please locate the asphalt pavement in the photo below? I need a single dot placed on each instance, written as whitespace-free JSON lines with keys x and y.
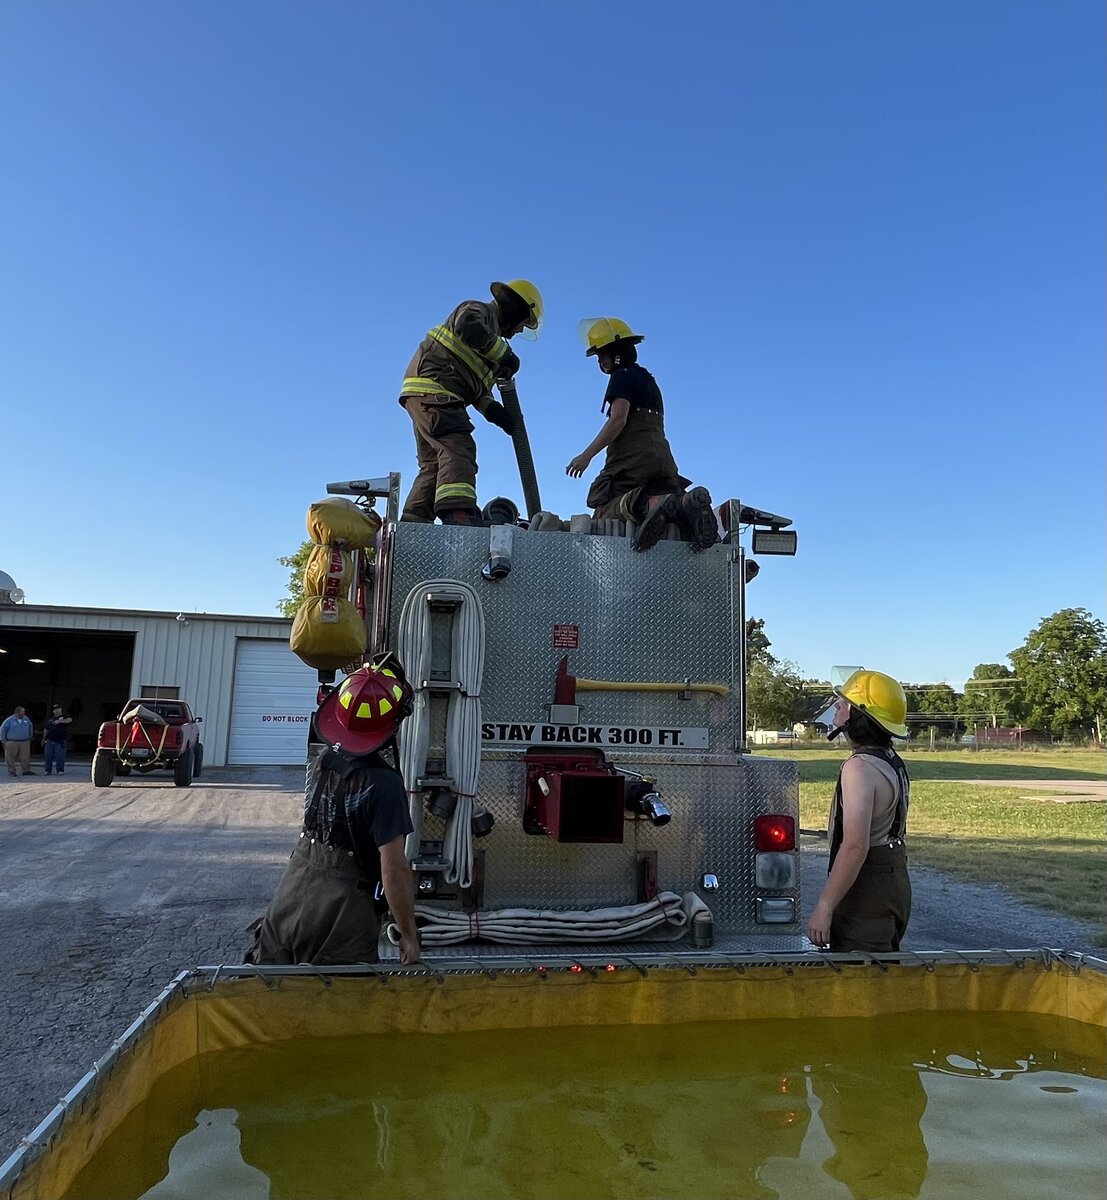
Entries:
{"x":106,"y":894}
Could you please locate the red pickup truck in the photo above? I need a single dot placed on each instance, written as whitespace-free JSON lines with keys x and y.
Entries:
{"x":149,"y":735}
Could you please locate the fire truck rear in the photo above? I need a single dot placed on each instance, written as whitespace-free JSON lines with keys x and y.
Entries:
{"x":576,"y":761}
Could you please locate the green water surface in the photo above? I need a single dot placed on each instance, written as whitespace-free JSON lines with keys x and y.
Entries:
{"x":961,"y":1105}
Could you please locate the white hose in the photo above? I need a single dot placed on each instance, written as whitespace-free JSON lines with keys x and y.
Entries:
{"x":666,"y":917}
{"x":463,"y":744}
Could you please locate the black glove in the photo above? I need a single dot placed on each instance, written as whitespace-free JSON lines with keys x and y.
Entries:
{"x":496,"y":414}
{"x":508,"y":366}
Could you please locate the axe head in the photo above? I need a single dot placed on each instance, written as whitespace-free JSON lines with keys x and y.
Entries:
{"x":565,"y":685}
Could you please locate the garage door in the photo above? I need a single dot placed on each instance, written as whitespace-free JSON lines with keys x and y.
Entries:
{"x":272,"y":703}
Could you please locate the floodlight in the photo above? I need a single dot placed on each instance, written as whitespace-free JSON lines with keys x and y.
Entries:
{"x":774,"y":541}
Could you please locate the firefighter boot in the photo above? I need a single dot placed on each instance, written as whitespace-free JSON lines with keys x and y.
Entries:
{"x":660,"y":511}
{"x":698,"y":518}
{"x":463,"y":516}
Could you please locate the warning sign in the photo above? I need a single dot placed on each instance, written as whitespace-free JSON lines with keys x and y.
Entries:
{"x":495,"y":733}
{"x":566,"y":637}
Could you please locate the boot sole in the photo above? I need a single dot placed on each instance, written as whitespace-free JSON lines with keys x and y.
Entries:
{"x":652,"y":529}
{"x":699,"y":519}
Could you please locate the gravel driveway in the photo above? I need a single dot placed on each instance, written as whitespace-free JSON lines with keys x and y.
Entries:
{"x":106,"y":893}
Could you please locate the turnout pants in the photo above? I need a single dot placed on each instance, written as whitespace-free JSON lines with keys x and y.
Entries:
{"x":639,"y":464}
{"x":873,"y":914}
{"x":323,"y":912}
{"x":447,"y":456}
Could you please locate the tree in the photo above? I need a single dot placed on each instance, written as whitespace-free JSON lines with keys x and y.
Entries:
{"x":932,"y":705}
{"x":289,"y":606}
{"x":993,"y":696}
{"x":774,"y":694}
{"x":1063,"y":669}
{"x":757,"y":644}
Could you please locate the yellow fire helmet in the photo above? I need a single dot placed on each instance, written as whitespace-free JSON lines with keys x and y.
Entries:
{"x":530,"y":296}
{"x":879,"y":696}
{"x":599,"y":332}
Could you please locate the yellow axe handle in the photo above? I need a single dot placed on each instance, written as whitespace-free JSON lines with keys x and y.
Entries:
{"x":608,"y":685}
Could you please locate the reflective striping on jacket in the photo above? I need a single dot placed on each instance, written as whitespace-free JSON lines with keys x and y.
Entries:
{"x":418,"y":385}
{"x":450,"y":341}
{"x":496,"y":351}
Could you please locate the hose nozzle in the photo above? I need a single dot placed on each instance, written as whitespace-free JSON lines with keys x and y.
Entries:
{"x":644,"y":801}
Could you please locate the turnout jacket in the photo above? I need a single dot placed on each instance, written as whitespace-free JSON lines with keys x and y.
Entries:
{"x":459,"y":360}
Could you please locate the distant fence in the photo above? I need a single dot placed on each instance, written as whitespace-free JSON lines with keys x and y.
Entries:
{"x":1011,"y":737}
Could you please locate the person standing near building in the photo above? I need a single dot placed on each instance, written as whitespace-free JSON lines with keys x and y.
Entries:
{"x":16,"y":733}
{"x":866,"y":901}
{"x":455,"y":366}
{"x":54,"y":740}
{"x":639,"y":481}
{"x":352,"y":845}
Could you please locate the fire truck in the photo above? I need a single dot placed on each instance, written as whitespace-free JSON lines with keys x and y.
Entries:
{"x":576,"y":759}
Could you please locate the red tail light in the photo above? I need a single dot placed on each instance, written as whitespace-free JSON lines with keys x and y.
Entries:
{"x":774,"y":832}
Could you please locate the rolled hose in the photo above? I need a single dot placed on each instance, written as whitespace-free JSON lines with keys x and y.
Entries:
{"x":521,"y":442}
{"x":667,"y":917}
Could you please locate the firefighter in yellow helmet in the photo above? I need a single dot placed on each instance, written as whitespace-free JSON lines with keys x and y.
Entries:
{"x":455,"y":366}
{"x":866,"y":901}
{"x":639,"y":481}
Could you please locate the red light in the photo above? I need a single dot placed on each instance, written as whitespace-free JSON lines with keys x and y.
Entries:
{"x":774,"y":832}
{"x":576,"y":968}
{"x":611,"y":967}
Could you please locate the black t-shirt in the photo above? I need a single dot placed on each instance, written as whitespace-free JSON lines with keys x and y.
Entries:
{"x":57,"y":730}
{"x":362,"y":812}
{"x":636,"y":386}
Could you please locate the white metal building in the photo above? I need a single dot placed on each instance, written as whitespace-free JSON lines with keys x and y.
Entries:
{"x":237,"y":673}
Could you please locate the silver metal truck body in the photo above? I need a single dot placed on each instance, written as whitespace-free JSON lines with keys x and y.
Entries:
{"x":666,"y":616}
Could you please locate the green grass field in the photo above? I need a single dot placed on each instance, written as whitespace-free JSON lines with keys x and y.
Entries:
{"x":1043,"y":852}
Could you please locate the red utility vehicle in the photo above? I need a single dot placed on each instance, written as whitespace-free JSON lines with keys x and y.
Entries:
{"x":149,"y":735}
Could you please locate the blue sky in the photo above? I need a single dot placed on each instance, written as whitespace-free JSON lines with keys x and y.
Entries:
{"x":865,"y":242}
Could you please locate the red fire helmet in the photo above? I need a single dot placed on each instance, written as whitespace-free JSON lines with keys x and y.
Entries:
{"x":364,"y":712}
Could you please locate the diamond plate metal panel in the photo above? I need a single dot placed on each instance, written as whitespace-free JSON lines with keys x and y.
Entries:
{"x":669,"y":615}
{"x":665,"y":616}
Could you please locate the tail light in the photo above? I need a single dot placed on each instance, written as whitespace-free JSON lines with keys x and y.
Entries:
{"x":774,"y":832}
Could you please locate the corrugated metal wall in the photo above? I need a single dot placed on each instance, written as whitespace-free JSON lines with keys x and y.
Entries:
{"x":196,"y":654}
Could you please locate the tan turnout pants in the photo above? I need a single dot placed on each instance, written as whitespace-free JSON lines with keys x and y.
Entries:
{"x":447,"y":456}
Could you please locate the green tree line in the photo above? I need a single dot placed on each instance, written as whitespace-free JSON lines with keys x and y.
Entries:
{"x":1056,"y":681}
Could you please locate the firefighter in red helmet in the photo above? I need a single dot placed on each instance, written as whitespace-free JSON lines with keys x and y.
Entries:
{"x":350,"y":852}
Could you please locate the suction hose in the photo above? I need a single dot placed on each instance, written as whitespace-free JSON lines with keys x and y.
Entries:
{"x":521,"y":442}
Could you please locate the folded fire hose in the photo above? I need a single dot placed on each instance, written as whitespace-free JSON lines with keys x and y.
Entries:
{"x":666,"y":917}
{"x":463,"y":721}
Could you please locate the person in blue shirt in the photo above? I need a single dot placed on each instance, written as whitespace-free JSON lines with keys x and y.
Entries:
{"x":16,"y":733}
{"x":54,"y":739}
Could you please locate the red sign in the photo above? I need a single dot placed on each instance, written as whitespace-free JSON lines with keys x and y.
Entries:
{"x":566,"y":637}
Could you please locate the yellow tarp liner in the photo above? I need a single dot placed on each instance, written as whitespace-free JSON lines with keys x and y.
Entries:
{"x":248,"y":1011}
{"x":327,"y":633}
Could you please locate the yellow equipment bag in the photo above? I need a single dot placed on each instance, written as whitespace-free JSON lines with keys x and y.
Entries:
{"x":328,"y":632}
{"x":329,"y":572}
{"x":337,"y":521}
